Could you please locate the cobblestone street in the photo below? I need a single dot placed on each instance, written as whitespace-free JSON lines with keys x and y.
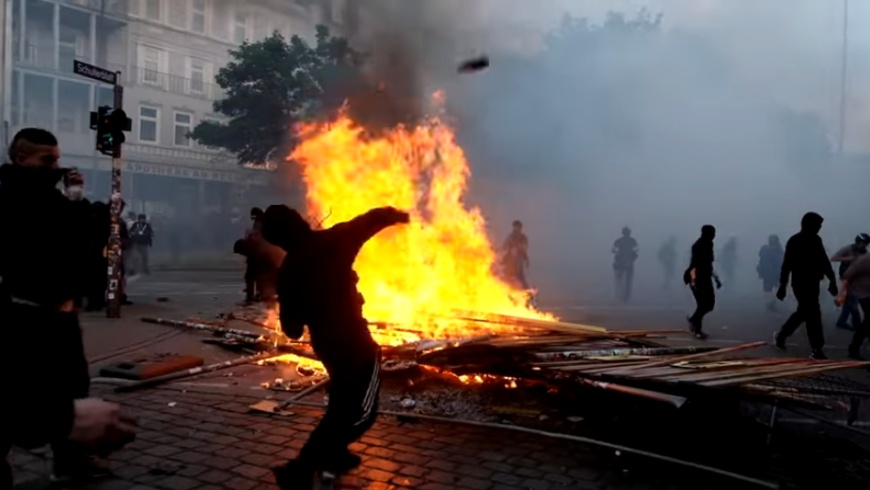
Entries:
{"x":199,"y":440}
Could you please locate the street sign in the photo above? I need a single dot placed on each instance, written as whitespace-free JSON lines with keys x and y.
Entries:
{"x":95,"y":72}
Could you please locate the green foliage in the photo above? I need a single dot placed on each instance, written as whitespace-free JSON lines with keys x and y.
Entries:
{"x":273,"y":84}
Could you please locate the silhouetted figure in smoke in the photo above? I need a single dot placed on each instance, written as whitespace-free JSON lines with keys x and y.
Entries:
{"x":806,"y":264}
{"x":769,"y":266}
{"x":700,"y":276}
{"x":515,"y":258}
{"x":846,"y":256}
{"x":624,"y":255}
{"x":856,"y":283}
{"x":317,"y":289}
{"x":263,"y":261}
{"x":668,"y":259}
{"x":729,"y":259}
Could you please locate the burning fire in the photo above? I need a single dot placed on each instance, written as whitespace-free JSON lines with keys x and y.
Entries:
{"x":415,"y":278}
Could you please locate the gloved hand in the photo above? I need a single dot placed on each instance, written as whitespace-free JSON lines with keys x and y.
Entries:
{"x":780,"y":293}
{"x":833,"y":289}
{"x":718,"y":283}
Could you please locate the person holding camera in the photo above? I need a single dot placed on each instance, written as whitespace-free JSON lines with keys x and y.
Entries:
{"x":42,"y":269}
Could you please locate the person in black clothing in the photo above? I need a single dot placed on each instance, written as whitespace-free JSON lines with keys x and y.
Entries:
{"x":141,"y":240}
{"x":41,"y":281}
{"x":700,"y":276}
{"x":624,"y":255}
{"x":317,"y":288}
{"x":769,"y":266}
{"x":806,"y":264}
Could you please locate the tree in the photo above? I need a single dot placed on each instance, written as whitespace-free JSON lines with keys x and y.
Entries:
{"x":275,"y":83}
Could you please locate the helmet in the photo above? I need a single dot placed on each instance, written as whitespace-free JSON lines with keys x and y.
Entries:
{"x":863,"y":238}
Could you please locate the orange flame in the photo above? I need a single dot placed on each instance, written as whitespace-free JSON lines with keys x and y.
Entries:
{"x":417,"y":276}
{"x":422,"y":273}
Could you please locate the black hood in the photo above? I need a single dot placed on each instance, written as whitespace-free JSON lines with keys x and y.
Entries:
{"x":283,"y":226}
{"x":811,"y":223}
{"x":30,"y":177}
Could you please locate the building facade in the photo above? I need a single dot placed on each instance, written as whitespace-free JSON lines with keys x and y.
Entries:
{"x":168,"y":52}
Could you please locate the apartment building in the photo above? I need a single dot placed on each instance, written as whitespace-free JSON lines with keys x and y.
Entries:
{"x":168,"y":52}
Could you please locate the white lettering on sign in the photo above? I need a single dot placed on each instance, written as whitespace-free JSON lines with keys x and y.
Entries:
{"x":183,"y":172}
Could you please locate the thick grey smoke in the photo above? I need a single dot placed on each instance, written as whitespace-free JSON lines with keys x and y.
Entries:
{"x":661,"y":131}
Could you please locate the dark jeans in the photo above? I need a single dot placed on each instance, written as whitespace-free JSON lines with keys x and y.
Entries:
{"x":624,"y":278}
{"x":808,"y":311}
{"x":354,"y":391}
{"x":705,"y":302}
{"x":850,"y":310}
{"x":57,"y":338}
{"x":863,"y":330}
{"x":139,"y":259}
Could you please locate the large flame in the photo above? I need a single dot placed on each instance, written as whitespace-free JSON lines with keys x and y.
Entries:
{"x":421,"y":274}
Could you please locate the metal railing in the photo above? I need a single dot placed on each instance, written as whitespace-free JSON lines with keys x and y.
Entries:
{"x":42,"y":56}
{"x":145,"y":77}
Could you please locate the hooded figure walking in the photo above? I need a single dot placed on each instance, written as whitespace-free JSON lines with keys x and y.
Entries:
{"x":806,"y":264}
{"x":317,"y":289}
{"x":700,"y":276}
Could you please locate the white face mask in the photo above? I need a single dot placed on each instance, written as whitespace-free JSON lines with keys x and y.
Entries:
{"x":75,"y":192}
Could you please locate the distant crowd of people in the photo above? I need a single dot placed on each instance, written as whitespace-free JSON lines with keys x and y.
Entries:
{"x":803,"y":263}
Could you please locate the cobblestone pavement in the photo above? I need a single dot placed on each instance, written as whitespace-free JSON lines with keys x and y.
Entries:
{"x":206,"y":440}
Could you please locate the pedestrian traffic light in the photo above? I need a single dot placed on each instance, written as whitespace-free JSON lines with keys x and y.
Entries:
{"x":110,"y":125}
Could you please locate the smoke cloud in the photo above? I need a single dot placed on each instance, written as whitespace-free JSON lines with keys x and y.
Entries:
{"x":726,"y":113}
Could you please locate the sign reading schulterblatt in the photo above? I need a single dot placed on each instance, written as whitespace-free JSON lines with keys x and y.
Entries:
{"x":95,"y":72}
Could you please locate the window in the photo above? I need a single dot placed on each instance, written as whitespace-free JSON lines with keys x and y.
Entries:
{"x":183,"y":127}
{"x":151,"y":61}
{"x":196,"y":69}
{"x":241,"y":28}
{"x":152,"y":9}
{"x":197,"y":16}
{"x":149,"y":124}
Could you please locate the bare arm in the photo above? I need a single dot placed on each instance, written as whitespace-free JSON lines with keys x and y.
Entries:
{"x":362,"y":228}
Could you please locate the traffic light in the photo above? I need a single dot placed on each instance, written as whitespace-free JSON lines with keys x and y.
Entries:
{"x":110,"y":125}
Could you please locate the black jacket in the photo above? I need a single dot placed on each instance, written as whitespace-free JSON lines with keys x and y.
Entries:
{"x":317,"y":287}
{"x":702,"y":260}
{"x":45,"y":237}
{"x":805,"y":262}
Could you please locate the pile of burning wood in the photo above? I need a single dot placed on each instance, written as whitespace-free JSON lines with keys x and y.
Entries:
{"x":630,"y":362}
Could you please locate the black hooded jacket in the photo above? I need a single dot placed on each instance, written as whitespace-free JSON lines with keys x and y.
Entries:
{"x":806,"y":261}
{"x":317,"y":283}
{"x":45,"y":237}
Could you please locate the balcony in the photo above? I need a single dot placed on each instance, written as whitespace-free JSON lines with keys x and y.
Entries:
{"x":118,"y":8}
{"x":197,"y":88}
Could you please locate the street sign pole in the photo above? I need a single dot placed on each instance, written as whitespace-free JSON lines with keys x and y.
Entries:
{"x":114,"y":251}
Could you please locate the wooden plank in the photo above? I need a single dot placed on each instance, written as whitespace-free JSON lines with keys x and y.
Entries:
{"x":831,"y":366}
{"x":702,"y":355}
{"x":555,"y":326}
{"x":744,"y":371}
{"x":597,"y":369}
{"x":665,"y":373}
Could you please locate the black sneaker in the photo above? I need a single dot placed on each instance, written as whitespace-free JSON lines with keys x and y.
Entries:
{"x":855,"y":353}
{"x":818,"y":355}
{"x":778,"y":341}
{"x":295,"y":474}
{"x":700,"y":335}
{"x":691,"y":325}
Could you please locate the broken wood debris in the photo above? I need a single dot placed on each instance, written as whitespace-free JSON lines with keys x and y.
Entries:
{"x":583,"y":355}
